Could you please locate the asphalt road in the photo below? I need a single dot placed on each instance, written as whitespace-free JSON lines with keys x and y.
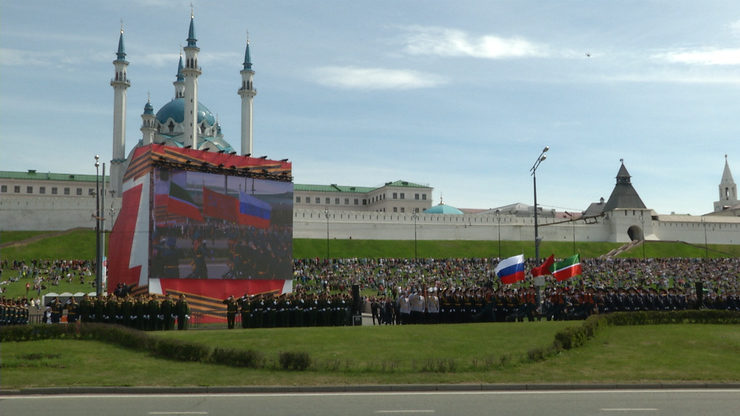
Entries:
{"x":680,"y":402}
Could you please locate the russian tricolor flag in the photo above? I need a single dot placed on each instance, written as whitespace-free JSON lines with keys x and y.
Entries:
{"x":253,"y":211}
{"x":510,"y":270}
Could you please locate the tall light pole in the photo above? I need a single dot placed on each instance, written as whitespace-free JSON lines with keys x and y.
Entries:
{"x":573,"y":225}
{"x":98,"y":254}
{"x":326,"y":213}
{"x":498,"y":218}
{"x":533,"y":170}
{"x":642,"y":221}
{"x":415,"y":217}
{"x":706,"y":246}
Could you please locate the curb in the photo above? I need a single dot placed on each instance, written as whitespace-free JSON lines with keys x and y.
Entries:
{"x":389,"y":388}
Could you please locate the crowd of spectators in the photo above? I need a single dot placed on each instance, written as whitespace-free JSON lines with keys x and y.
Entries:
{"x":441,"y":290}
{"x":386,"y":275}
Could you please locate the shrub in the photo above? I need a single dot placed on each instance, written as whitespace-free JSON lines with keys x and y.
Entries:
{"x":182,"y":351}
{"x":237,"y":358}
{"x":297,"y":361}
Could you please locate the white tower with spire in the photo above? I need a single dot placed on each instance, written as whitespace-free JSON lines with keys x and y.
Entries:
{"x":119,"y":83}
{"x":191,"y":73}
{"x":247,"y":92}
{"x":180,"y":80}
{"x":148,"y":123}
{"x":727,"y":191}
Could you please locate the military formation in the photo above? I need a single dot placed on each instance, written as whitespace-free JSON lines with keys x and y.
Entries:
{"x":146,"y":313}
{"x":289,"y":310}
{"x":13,"y":312}
{"x":459,"y":305}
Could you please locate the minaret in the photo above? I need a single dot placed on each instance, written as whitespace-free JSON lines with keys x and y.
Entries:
{"x":191,"y":73}
{"x":247,"y":92}
{"x":727,"y":190}
{"x":148,"y":124}
{"x":119,"y":83}
{"x":180,"y":80}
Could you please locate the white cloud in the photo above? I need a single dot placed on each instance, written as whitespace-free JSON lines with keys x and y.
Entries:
{"x":375,"y":78}
{"x":702,"y":57}
{"x":422,"y":40}
{"x":17,"y":57}
{"x":675,"y":77}
{"x":735,"y":28}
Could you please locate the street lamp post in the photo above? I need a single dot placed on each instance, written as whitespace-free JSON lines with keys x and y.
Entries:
{"x":539,"y":160}
{"x":98,"y":254}
{"x":415,"y":217}
{"x":498,"y":218}
{"x":573,"y":225}
{"x":706,"y":246}
{"x":536,"y":164}
{"x":326,"y":213}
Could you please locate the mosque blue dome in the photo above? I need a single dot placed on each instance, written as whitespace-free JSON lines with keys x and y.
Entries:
{"x":175,"y":110}
{"x":443,"y":209}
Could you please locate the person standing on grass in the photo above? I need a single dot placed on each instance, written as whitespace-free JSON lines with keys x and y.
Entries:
{"x":56,"y":311}
{"x":231,"y":309}
{"x":168,"y":311}
{"x":183,"y":313}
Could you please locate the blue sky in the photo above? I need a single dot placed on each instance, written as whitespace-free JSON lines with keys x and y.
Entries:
{"x":461,"y":96}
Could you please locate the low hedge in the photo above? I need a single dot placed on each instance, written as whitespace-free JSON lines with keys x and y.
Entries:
{"x":702,"y":316}
{"x":565,"y":339}
{"x":131,"y":338}
{"x":237,"y":358}
{"x":294,"y":360}
{"x":575,"y":336}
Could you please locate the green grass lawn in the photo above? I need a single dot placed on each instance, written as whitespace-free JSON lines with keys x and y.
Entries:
{"x":630,"y":354}
{"x":78,"y":244}
{"x":13,"y":236}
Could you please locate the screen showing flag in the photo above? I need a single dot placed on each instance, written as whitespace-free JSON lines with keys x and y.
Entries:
{"x":215,"y":226}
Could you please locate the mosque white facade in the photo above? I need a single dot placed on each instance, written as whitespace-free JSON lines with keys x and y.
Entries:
{"x":399,"y":210}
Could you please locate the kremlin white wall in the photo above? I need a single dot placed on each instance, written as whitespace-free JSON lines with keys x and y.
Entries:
{"x":22,"y":213}
{"x":46,"y":213}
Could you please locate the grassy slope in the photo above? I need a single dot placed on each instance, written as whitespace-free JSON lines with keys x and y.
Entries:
{"x":79,"y":244}
{"x":665,"y":353}
{"x":11,"y":236}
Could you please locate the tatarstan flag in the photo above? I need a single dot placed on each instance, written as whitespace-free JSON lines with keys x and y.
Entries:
{"x":181,"y":203}
{"x":564,"y":270}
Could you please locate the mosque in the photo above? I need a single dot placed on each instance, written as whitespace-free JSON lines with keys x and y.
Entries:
{"x":396,"y":210}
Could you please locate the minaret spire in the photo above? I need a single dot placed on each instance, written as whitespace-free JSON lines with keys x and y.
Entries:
{"x":119,"y":83}
{"x":191,"y":73}
{"x":247,"y":92}
{"x":179,"y":80}
{"x":148,"y":126}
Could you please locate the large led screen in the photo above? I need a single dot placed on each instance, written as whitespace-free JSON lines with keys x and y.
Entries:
{"x":215,"y":226}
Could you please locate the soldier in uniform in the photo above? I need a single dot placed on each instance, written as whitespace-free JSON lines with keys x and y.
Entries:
{"x":152,"y":309}
{"x":257,"y":306}
{"x":183,"y":313}
{"x":112,"y":311}
{"x":125,"y":310}
{"x":231,"y":309}
{"x":56,"y":311}
{"x":139,"y":313}
{"x":167,"y":308}
{"x":72,"y":311}
{"x":86,"y":308}
{"x":244,"y":310}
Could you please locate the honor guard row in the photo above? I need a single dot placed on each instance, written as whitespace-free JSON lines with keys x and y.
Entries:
{"x":289,"y":310}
